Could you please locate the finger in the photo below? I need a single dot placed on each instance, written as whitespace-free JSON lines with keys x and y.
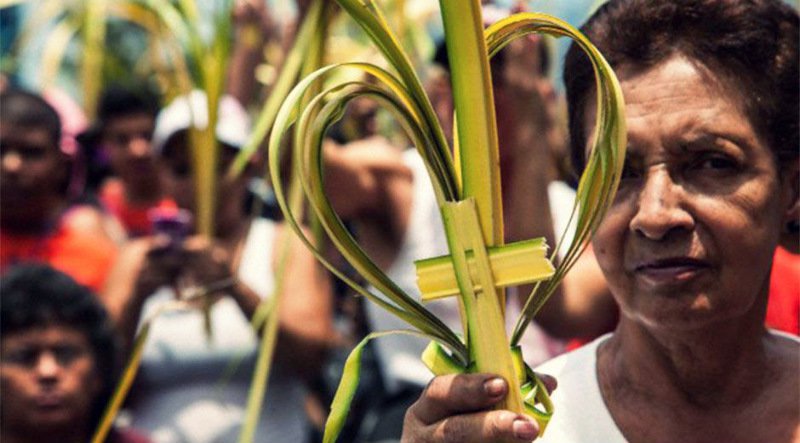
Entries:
{"x":157,"y":243}
{"x":549,"y":382}
{"x":196,"y":243}
{"x":455,"y":394}
{"x":486,"y":427}
{"x":209,"y":256}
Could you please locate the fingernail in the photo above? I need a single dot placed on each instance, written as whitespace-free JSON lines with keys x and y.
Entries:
{"x":524,"y":429}
{"x":495,"y":386}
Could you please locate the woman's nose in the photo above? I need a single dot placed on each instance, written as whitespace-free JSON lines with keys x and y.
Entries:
{"x":661,"y":207}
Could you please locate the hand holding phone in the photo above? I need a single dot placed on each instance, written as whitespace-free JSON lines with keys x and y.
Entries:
{"x":169,"y":221}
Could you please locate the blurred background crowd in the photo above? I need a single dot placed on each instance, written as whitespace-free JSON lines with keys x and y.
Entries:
{"x":101,"y":229}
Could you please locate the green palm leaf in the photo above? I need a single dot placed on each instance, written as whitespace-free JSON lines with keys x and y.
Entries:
{"x":601,"y":177}
{"x":471,"y":209}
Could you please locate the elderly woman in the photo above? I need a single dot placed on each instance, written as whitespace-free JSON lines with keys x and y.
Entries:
{"x":710,"y":182}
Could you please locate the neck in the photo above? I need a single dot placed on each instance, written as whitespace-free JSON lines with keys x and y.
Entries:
{"x":35,"y":219}
{"x":718,"y":365}
{"x":71,"y":434}
{"x":144,"y":191}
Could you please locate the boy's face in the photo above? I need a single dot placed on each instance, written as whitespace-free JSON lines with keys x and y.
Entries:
{"x":127,"y":141}
{"x":33,"y":168}
{"x":48,"y":380}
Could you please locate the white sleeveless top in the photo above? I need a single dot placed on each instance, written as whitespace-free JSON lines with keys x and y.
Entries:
{"x":186,"y":391}
{"x":399,"y":355}
{"x":581,"y":414}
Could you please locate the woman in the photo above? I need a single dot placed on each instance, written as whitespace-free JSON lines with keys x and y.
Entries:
{"x":709,"y":185}
{"x":193,"y":387}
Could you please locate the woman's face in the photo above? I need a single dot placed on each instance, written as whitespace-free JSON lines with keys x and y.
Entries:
{"x":178,"y":174}
{"x":690,"y":236}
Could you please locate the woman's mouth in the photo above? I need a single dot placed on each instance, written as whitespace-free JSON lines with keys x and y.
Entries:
{"x":672,"y":270}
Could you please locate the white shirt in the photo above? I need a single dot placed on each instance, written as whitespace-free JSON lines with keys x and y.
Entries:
{"x":186,"y":391}
{"x":581,"y":415}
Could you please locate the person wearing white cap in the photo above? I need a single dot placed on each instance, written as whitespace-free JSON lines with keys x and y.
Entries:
{"x":191,"y":110}
{"x":186,"y":391}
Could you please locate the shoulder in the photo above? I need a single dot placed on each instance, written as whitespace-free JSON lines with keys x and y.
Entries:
{"x":575,"y":363}
{"x":580,"y":414}
{"x":92,"y":222}
{"x":112,"y":189}
{"x":778,"y":397}
{"x":84,"y":218}
{"x":281,"y":231}
{"x":282,"y":236}
{"x":784,"y":348}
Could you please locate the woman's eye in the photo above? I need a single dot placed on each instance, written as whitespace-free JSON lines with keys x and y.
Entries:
{"x":715,"y":163}
{"x":629,"y":172}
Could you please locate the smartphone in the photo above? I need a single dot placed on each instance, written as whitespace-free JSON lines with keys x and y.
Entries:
{"x":172,"y":222}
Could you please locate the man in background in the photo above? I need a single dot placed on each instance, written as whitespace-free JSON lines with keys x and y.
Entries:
{"x":38,"y":222}
{"x":57,"y":359}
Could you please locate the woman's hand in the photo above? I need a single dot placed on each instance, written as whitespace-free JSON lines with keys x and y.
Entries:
{"x":206,"y":265}
{"x":142,"y":266}
{"x":457,"y":408}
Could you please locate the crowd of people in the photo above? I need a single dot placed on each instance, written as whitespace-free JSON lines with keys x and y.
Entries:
{"x":695,"y":269}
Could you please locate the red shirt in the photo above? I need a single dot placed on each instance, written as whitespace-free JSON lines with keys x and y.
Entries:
{"x":783,"y":307}
{"x":132,"y":216}
{"x":85,"y":257}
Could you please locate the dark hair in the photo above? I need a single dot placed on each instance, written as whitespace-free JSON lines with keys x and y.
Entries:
{"x":36,"y":295}
{"x":117,"y":101}
{"x":28,"y":110}
{"x":750,"y":43}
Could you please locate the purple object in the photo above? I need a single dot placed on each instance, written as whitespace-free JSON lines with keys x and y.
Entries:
{"x":172,"y":222}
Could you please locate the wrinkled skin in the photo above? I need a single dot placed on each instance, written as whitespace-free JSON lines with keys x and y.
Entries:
{"x":687,"y":249}
{"x":455,"y":408}
{"x":687,"y":239}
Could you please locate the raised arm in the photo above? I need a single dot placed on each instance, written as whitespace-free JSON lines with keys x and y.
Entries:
{"x":368,"y":183}
{"x":133,"y":278}
{"x":306,"y":313}
{"x":253,"y":28}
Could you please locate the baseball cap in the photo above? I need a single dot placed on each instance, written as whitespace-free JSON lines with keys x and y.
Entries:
{"x":186,"y":111}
